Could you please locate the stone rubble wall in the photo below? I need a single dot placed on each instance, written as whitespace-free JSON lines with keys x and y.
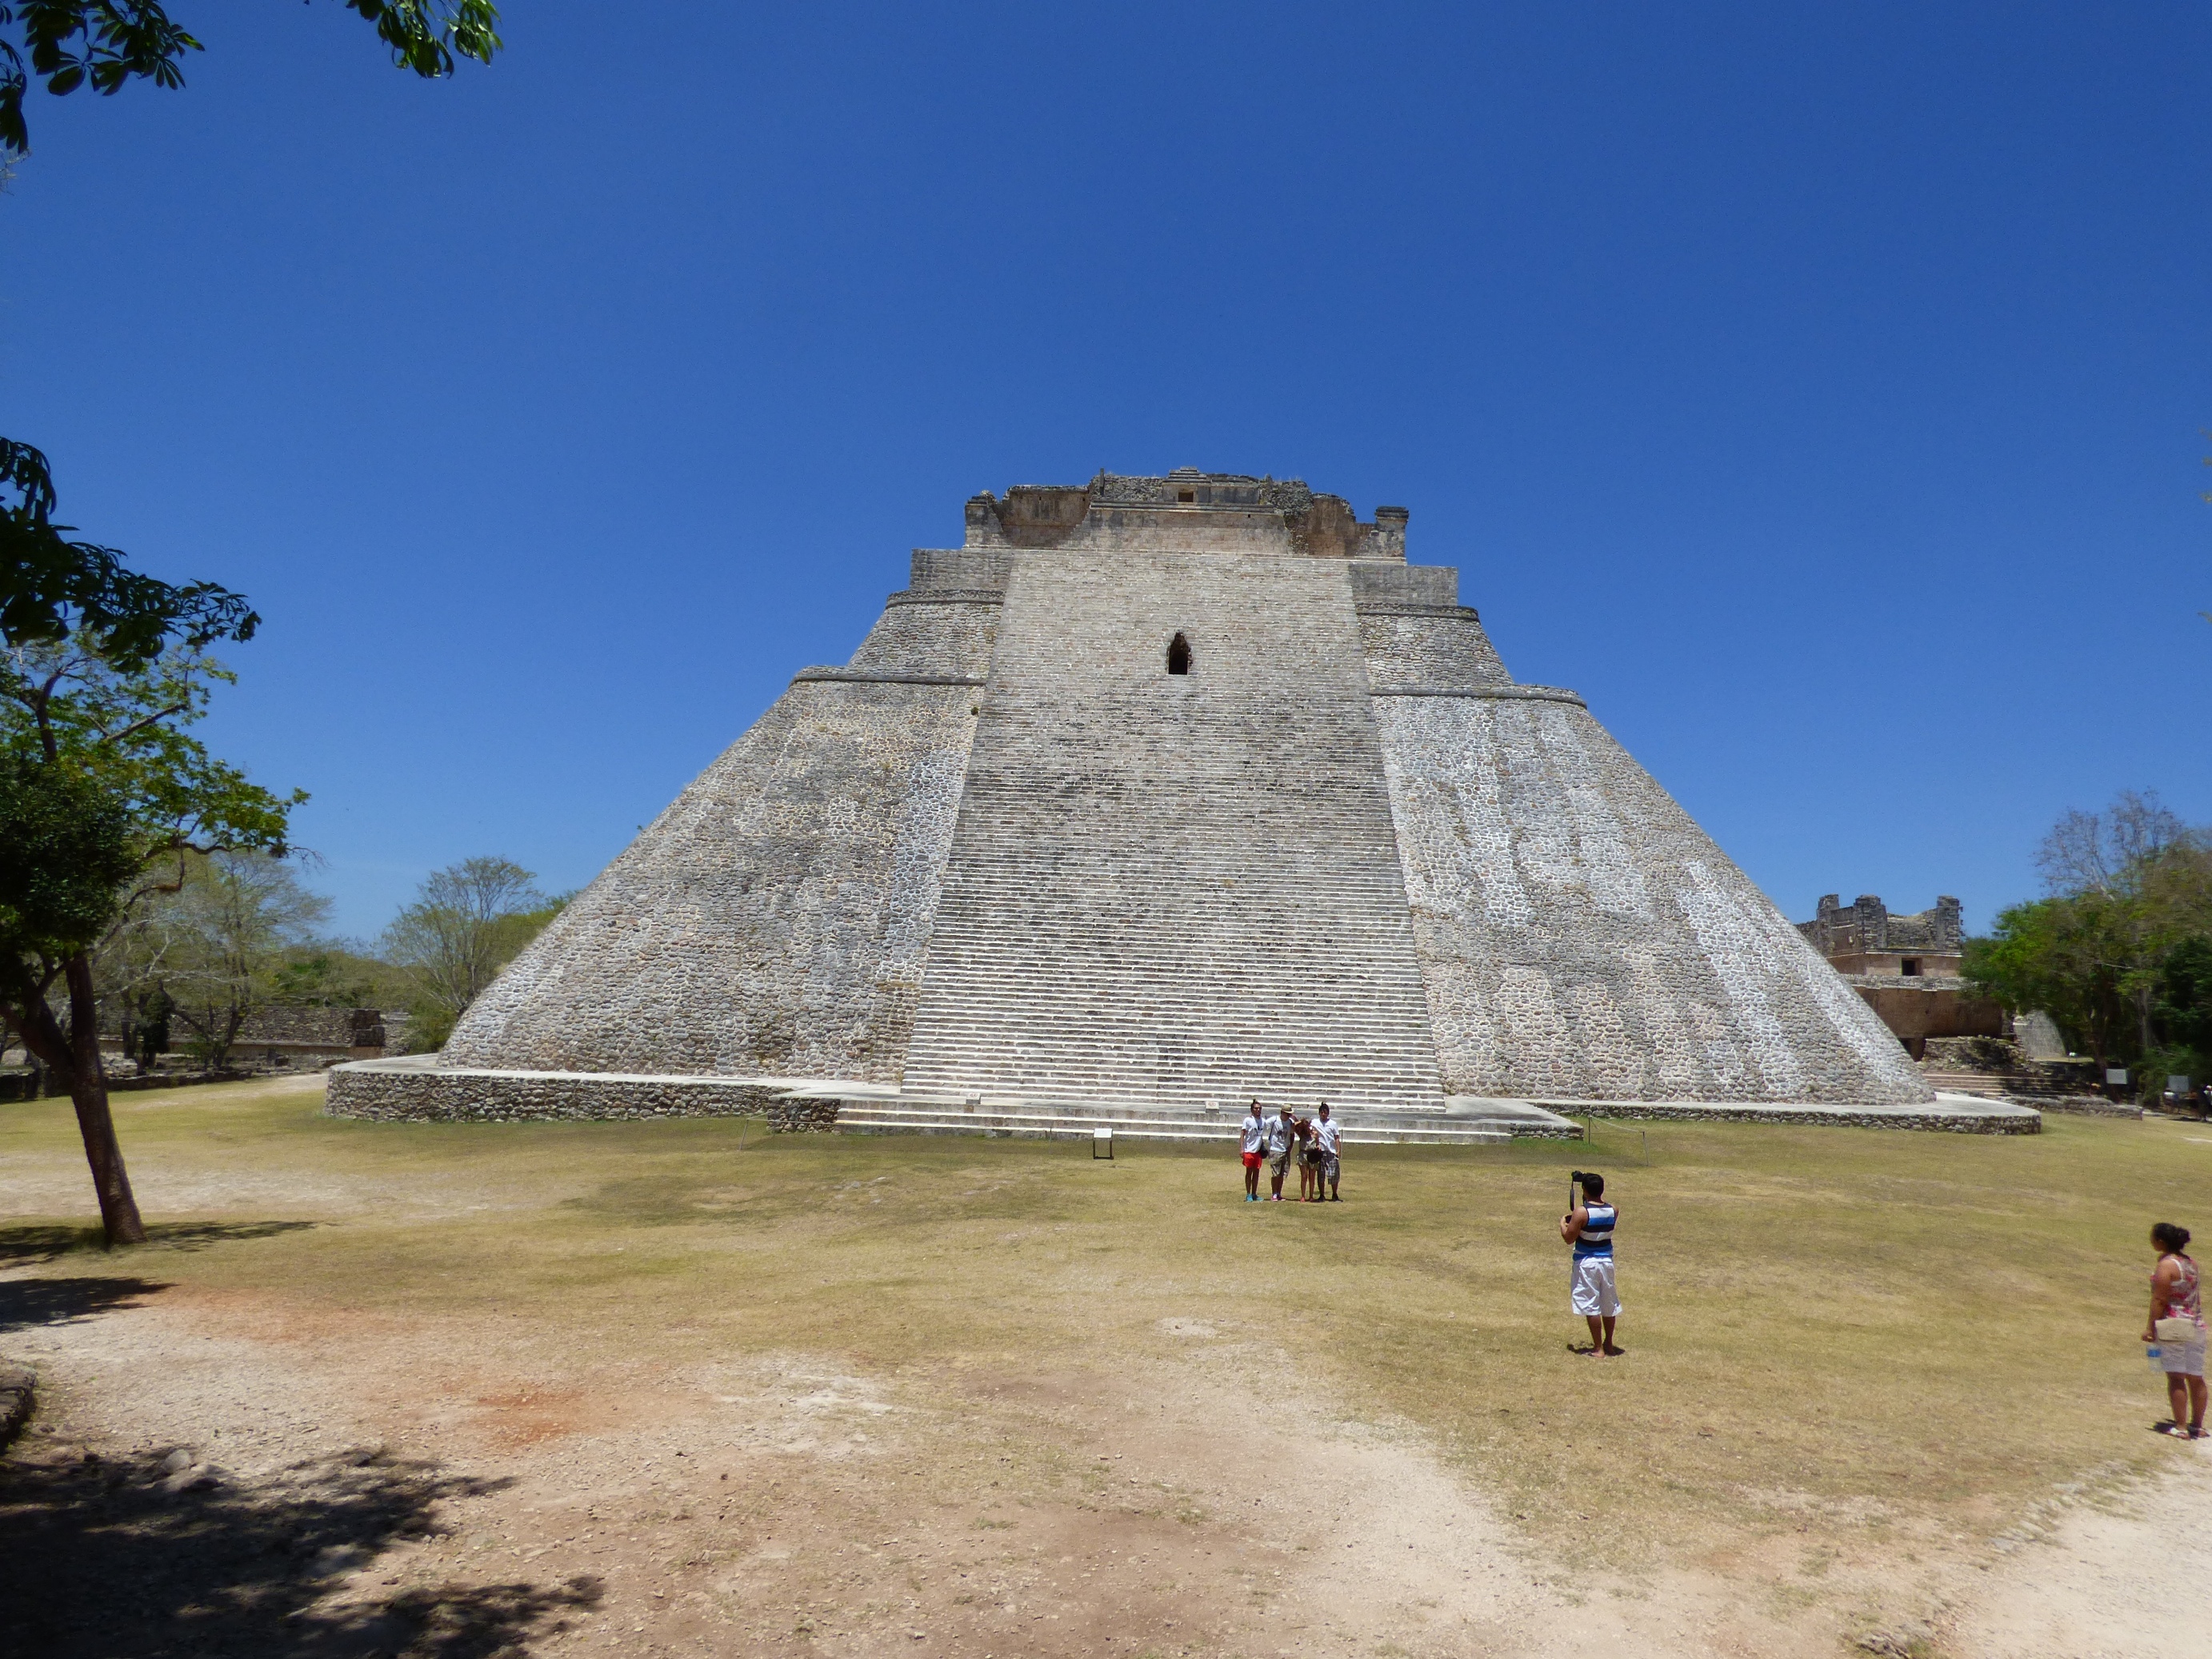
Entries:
{"x":1953,"y":1121}
{"x":421,"y":1094}
{"x":1166,"y":889}
{"x":1582,"y":937}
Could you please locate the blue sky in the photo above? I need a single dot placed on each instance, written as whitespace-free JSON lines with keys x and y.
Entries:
{"x":1816,"y":390}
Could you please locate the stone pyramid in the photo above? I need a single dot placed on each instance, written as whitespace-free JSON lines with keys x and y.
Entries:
{"x":1162,"y":794}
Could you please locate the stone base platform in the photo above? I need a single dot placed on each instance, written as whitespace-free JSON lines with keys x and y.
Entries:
{"x":1953,"y":1114}
{"x":415,"y":1087}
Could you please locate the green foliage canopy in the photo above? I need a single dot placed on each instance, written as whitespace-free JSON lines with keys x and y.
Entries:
{"x":107,"y":43}
{"x":65,"y":850}
{"x":52,"y":586}
{"x":79,"y":734}
{"x":2119,"y":954}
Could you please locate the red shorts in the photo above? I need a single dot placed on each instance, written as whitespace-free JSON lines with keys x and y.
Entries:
{"x":1251,"y":1160}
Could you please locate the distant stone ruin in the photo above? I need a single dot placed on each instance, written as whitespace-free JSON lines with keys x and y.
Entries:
{"x":1158,"y":794}
{"x":1906,"y":968}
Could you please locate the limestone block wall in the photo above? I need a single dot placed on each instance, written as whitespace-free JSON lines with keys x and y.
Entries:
{"x":1415,"y":632}
{"x":773,"y":921}
{"x":924,"y":632}
{"x":1163,"y":888}
{"x":1447,"y":650}
{"x":1582,"y":939}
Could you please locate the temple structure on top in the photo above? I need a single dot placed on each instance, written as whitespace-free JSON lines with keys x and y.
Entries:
{"x":1156,"y":795}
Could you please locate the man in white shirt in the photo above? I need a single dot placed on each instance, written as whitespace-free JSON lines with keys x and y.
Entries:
{"x":1282,"y":1139}
{"x":1329,"y":1136}
{"x":1255,"y":1141}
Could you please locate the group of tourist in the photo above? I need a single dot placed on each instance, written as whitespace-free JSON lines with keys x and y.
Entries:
{"x":1315,"y":1144}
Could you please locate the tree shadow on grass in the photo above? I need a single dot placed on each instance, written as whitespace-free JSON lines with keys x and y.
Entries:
{"x":149,"y":1556}
{"x":25,"y":1302}
{"x":27,"y":1245}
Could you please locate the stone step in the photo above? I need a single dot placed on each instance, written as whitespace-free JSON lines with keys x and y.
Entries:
{"x":875,"y":1119}
{"x":1968,"y":1083}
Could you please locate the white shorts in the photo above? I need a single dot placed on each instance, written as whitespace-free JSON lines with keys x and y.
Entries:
{"x":1592,"y":1283}
{"x":2182,"y":1358}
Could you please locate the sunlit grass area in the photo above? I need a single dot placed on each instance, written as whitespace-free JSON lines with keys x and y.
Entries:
{"x":1911,"y":1334}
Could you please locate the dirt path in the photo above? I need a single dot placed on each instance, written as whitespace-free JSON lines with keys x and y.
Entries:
{"x":417,"y":1489}
{"x":2114,"y":1580}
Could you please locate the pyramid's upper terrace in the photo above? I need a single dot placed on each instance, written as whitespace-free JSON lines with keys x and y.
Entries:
{"x":1186,"y":512}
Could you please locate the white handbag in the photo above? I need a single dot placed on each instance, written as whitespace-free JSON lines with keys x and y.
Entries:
{"x":2182,"y":1333}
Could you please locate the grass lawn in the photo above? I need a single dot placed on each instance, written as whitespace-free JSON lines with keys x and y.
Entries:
{"x":1894,"y":1336}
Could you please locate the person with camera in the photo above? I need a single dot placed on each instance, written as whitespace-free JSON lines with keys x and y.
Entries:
{"x":1588,"y":1228}
{"x":2177,"y":1325}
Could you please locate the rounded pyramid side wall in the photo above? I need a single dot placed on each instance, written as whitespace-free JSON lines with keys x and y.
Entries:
{"x":775,"y":920}
{"x":1583,"y":939}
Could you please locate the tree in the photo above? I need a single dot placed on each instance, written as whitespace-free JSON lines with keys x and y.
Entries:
{"x":333,"y":974}
{"x":106,"y":794}
{"x":230,"y":925}
{"x":2062,"y":956}
{"x":2184,"y":1003}
{"x":468,"y":921}
{"x":2129,"y":904}
{"x":2100,"y":852}
{"x":104,"y":666}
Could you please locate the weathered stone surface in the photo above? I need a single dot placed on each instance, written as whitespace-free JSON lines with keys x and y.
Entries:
{"x":1005,"y":847}
{"x":1993,"y":1117}
{"x":775,"y":919}
{"x":1166,"y":889}
{"x":396,"y":1090}
{"x":1583,"y":939}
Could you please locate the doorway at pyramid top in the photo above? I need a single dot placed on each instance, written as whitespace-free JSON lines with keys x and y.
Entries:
{"x":1178,"y":655}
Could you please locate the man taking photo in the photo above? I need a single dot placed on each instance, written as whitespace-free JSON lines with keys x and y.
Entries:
{"x":1588,"y":1228}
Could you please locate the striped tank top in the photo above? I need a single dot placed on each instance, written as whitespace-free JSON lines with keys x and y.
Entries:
{"x":1597,"y":1231}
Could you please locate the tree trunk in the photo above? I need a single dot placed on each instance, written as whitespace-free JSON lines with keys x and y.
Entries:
{"x":119,"y":1210}
{"x":73,"y":1059}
